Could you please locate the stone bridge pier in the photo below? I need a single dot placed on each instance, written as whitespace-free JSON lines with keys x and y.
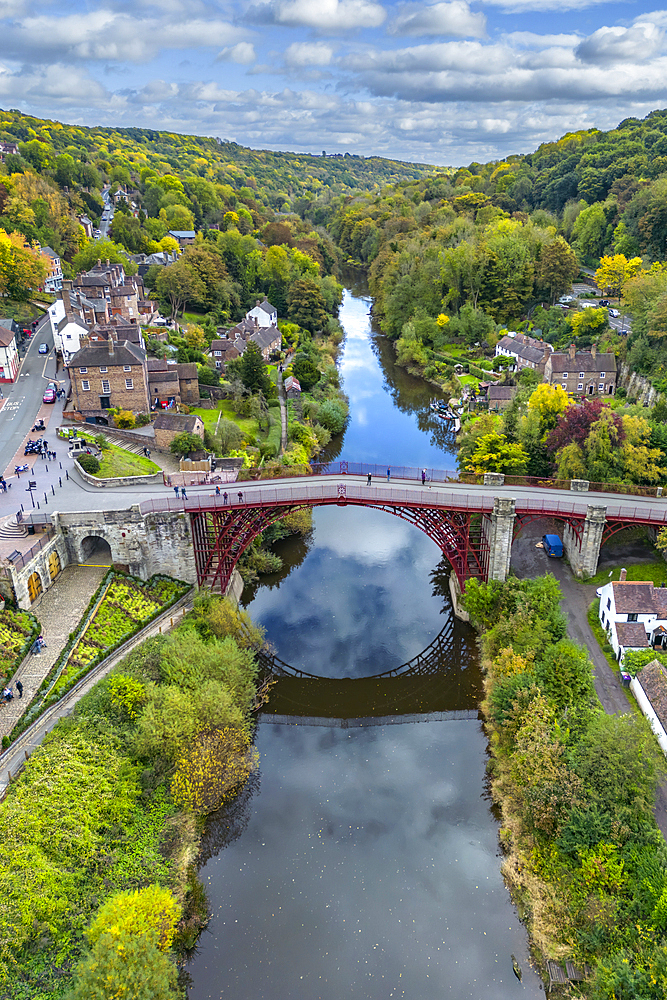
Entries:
{"x":498,"y":529}
{"x":582,"y":547}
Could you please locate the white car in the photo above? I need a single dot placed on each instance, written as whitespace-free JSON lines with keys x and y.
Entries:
{"x":566,"y":298}
{"x":615,"y":313}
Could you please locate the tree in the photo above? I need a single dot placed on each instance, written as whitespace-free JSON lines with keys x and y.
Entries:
{"x":184,"y":443}
{"x":306,"y":372}
{"x":179,"y":284}
{"x":549,"y":402}
{"x":126,"y":966}
{"x":614,"y":272}
{"x":558,"y":267}
{"x":494,"y":453}
{"x":332,"y":414}
{"x":305,"y":305}
{"x":22,"y":269}
{"x":589,"y":322}
{"x":105,"y":250}
{"x":151,"y":910}
{"x":252,"y":369}
{"x":217,"y":764}
{"x":564,"y":674}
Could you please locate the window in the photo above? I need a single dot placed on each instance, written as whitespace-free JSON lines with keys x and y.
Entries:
{"x":104,"y":370}
{"x":632,"y":618}
{"x":608,"y":603}
{"x":581,"y":375}
{"x":602,"y":374}
{"x":68,"y":337}
{"x":106,"y":388}
{"x":218,"y":354}
{"x":601,"y":387}
{"x":129,"y":384}
{"x":83,"y":371}
{"x":564,"y":374}
{"x":602,"y":619}
{"x":127,"y":368}
{"x":580,"y":386}
{"x":85,"y":385}
{"x":564,"y":386}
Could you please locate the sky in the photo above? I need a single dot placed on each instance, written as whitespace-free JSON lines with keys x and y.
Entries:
{"x":441,"y":82}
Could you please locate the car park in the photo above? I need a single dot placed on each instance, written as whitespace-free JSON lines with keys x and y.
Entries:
{"x":43,"y":349}
{"x":49,"y":396}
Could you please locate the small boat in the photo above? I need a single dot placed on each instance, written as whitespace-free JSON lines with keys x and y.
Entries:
{"x":516,"y":968}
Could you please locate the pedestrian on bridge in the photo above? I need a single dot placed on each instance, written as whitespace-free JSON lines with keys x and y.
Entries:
{"x":176,"y":490}
{"x":225,"y":498}
{"x":388,"y":473}
{"x":368,"y":479}
{"x":184,"y":495}
{"x":423,"y":477}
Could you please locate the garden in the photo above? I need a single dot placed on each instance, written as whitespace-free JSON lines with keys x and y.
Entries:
{"x":18,"y":629}
{"x":120,"y":607}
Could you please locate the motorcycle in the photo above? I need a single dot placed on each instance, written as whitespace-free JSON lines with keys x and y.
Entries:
{"x":21,"y":468}
{"x":39,"y":426}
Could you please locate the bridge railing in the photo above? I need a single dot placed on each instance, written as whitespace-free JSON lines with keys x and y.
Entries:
{"x":471,"y":479}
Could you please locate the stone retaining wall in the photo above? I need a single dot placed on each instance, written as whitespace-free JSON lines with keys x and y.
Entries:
{"x":153,"y":477}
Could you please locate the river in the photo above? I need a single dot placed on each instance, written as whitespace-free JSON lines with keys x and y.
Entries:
{"x":364,"y":860}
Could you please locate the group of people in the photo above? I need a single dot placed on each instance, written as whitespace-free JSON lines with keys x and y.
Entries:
{"x":147,"y":452}
{"x":8,"y":694}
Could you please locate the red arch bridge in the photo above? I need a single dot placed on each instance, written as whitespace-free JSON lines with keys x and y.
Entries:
{"x":473,"y":524}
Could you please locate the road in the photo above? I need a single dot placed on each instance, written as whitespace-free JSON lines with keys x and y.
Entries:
{"x":107,"y":218}
{"x":23,"y":398}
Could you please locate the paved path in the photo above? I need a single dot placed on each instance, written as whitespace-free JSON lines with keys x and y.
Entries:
{"x":283,"y":411}
{"x":58,"y":611}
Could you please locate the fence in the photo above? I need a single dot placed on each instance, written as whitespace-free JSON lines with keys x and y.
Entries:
{"x":19,"y":559}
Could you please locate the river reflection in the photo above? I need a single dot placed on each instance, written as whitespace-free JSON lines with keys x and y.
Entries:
{"x":368,"y":869}
{"x":363,"y":862}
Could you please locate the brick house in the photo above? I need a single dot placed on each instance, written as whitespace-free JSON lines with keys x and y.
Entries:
{"x":582,"y":373}
{"x":9,"y":355}
{"x":123,"y":293}
{"x":109,"y":374}
{"x":168,"y":425}
{"x":500,"y":397}
{"x":184,"y":237}
{"x":223,"y":350}
{"x":8,"y":149}
{"x":170,"y":383}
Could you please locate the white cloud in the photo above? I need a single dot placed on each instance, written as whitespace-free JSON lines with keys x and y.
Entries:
{"x":308,"y":54}
{"x":453,"y":18}
{"x":111,"y":36}
{"x":243,"y":53}
{"x":520,"y":6}
{"x":326,"y":15}
{"x":613,"y":45}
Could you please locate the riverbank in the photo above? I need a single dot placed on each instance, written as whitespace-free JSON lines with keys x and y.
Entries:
{"x":584,"y":859}
{"x":104,"y":817}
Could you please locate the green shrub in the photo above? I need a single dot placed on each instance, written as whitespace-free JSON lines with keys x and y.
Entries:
{"x":89,"y":464}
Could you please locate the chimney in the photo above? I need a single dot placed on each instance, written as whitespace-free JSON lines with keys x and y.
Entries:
{"x":67,"y":286}
{"x":571,"y":351}
{"x":112,"y":343}
{"x":99,"y":262}
{"x":622,"y":575}
{"x":594,"y":350}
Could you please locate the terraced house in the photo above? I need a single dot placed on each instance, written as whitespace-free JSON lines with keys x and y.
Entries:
{"x":107,"y":374}
{"x":582,"y":373}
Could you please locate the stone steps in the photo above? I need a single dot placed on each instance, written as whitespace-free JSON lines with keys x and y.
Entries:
{"x":10,"y":528}
{"x":131,"y":446}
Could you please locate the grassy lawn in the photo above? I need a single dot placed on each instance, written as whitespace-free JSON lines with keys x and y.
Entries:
{"x":653,"y":571}
{"x":192,"y":317}
{"x":118,"y":462}
{"x":468,"y":380}
{"x":248,"y":425}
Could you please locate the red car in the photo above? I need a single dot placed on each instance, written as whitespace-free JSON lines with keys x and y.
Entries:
{"x":49,"y":396}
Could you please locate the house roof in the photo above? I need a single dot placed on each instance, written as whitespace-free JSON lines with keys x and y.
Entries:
{"x":266,"y":336}
{"x":631,"y":634}
{"x":292,"y":382}
{"x":6,"y":336}
{"x":179,"y":422}
{"x":155,"y":378}
{"x":583,"y":361}
{"x":182,"y":234}
{"x":653,"y":679}
{"x":266,"y":306}
{"x":636,"y":598}
{"x":50,"y":253}
{"x":527,"y":352}
{"x":187,"y":369}
{"x":156,"y":365}
{"x":499,"y":392}
{"x":98,"y":354}
{"x":222,"y":345}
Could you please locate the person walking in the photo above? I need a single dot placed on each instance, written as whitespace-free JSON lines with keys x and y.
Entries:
{"x":217,"y":491}
{"x":423,"y":476}
{"x":225,"y":498}
{"x":184,"y":495}
{"x":176,"y":490}
{"x":388,"y":473}
{"x":19,"y":688}
{"x":368,"y":479}
{"x":240,"y":497}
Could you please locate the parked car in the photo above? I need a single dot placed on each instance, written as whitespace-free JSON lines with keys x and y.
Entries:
{"x":43,"y":349}
{"x":615,"y":313}
{"x":49,"y":396}
{"x":588,"y":305}
{"x":605,"y":302}
{"x":566,"y":298}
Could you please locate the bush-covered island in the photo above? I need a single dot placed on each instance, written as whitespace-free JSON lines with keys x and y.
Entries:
{"x":585,"y":860}
{"x":100,"y":833}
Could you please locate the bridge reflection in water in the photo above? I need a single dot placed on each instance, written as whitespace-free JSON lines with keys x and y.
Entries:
{"x":443,"y":681}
